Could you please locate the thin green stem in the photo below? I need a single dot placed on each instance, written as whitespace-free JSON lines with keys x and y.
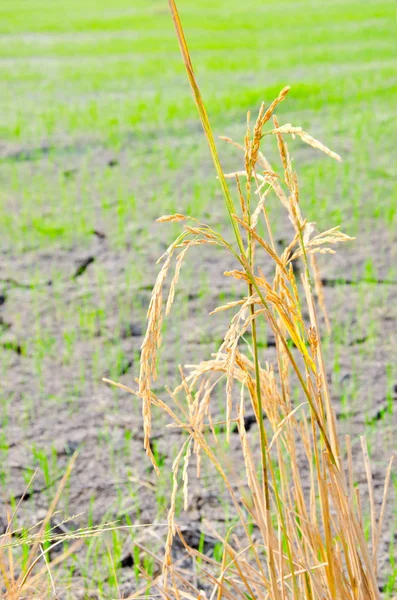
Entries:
{"x":205,"y":122}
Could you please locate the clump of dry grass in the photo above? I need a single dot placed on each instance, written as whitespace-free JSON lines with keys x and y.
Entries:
{"x":31,"y":576}
{"x":308,"y":540}
{"x":29,"y":565}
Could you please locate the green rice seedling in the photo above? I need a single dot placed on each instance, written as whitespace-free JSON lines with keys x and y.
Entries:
{"x":308,"y":538}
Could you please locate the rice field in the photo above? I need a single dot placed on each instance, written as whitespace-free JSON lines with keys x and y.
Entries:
{"x":99,"y":136}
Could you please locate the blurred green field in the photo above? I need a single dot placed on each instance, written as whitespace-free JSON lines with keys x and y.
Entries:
{"x":81,"y":76}
{"x":99,"y":136}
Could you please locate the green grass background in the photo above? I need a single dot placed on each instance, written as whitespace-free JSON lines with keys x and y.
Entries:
{"x":82,"y":75}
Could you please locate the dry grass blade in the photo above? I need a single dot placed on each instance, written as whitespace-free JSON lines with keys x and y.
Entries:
{"x":47,"y":518}
{"x":382,"y":514}
{"x":368,"y":473}
{"x":283,"y":423}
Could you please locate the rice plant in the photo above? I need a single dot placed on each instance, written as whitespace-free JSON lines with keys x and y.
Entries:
{"x":308,"y":539}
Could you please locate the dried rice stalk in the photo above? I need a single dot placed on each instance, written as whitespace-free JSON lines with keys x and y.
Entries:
{"x":309,"y":543}
{"x":305,"y":137}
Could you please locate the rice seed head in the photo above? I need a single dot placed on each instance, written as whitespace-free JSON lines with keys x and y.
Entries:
{"x":282,"y":95}
{"x":175,"y":218}
{"x":305,"y":137}
{"x":149,"y":348}
{"x":263,"y":117}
